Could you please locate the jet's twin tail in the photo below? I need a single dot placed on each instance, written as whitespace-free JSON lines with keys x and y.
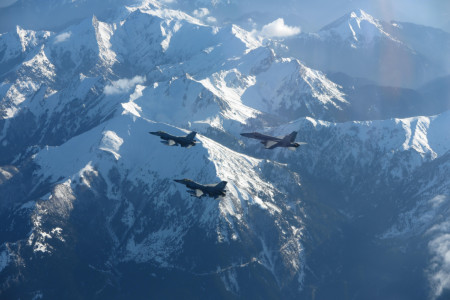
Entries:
{"x":292,"y":136}
{"x":191,"y":135}
{"x":221,"y":185}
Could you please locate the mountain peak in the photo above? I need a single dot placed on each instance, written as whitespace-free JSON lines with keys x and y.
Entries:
{"x":359,"y":17}
{"x":357,"y":26}
{"x":359,"y":13}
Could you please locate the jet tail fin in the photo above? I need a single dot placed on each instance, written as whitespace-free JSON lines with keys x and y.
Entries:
{"x":191,"y":135}
{"x":221,"y":185}
{"x":292,"y":136}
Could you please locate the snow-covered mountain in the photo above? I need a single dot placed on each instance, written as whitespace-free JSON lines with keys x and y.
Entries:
{"x":358,"y":27}
{"x":89,"y":208}
{"x":391,"y":54}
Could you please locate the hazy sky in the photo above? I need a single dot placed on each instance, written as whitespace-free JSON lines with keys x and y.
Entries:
{"x":310,"y":15}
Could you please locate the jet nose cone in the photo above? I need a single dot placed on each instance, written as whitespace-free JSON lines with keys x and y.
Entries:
{"x":179,"y":180}
{"x":153,"y":132}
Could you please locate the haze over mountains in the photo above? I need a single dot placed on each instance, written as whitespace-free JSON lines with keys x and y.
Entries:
{"x":396,"y":54}
{"x":88,"y":204}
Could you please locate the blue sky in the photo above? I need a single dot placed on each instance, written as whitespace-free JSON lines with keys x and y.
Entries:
{"x":4,"y":3}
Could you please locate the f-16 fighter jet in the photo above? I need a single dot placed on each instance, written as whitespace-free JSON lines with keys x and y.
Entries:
{"x":199,"y":190}
{"x":171,"y":140}
{"x":271,"y":142}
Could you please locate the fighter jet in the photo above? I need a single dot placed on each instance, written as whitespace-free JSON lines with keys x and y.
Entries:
{"x":198,"y":190}
{"x":271,"y":142}
{"x":171,"y":140}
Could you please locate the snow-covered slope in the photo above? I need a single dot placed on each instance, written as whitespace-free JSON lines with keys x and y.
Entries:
{"x":148,"y":218}
{"x":147,"y":45}
{"x":16,"y":44}
{"x":357,"y":27}
{"x":87,"y":102}
{"x":385,"y":150}
{"x":423,"y":223}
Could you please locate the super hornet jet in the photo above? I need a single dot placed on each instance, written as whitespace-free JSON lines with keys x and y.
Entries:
{"x":271,"y":142}
{"x":172,"y":140}
{"x":198,"y":190}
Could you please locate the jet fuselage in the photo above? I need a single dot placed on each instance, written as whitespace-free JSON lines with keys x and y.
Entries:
{"x":212,"y":190}
{"x":271,"y":142}
{"x":172,"y":140}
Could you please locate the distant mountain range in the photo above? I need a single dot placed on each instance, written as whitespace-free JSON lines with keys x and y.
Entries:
{"x":392,"y":54}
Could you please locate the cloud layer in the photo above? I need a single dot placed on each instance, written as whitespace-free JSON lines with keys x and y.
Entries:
{"x":278,"y":29}
{"x":123,"y":85}
{"x":440,"y":265}
{"x":62,"y":37}
{"x":203,"y":13}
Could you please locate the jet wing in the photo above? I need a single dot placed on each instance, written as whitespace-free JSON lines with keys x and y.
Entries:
{"x":260,"y":136}
{"x":271,"y":144}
